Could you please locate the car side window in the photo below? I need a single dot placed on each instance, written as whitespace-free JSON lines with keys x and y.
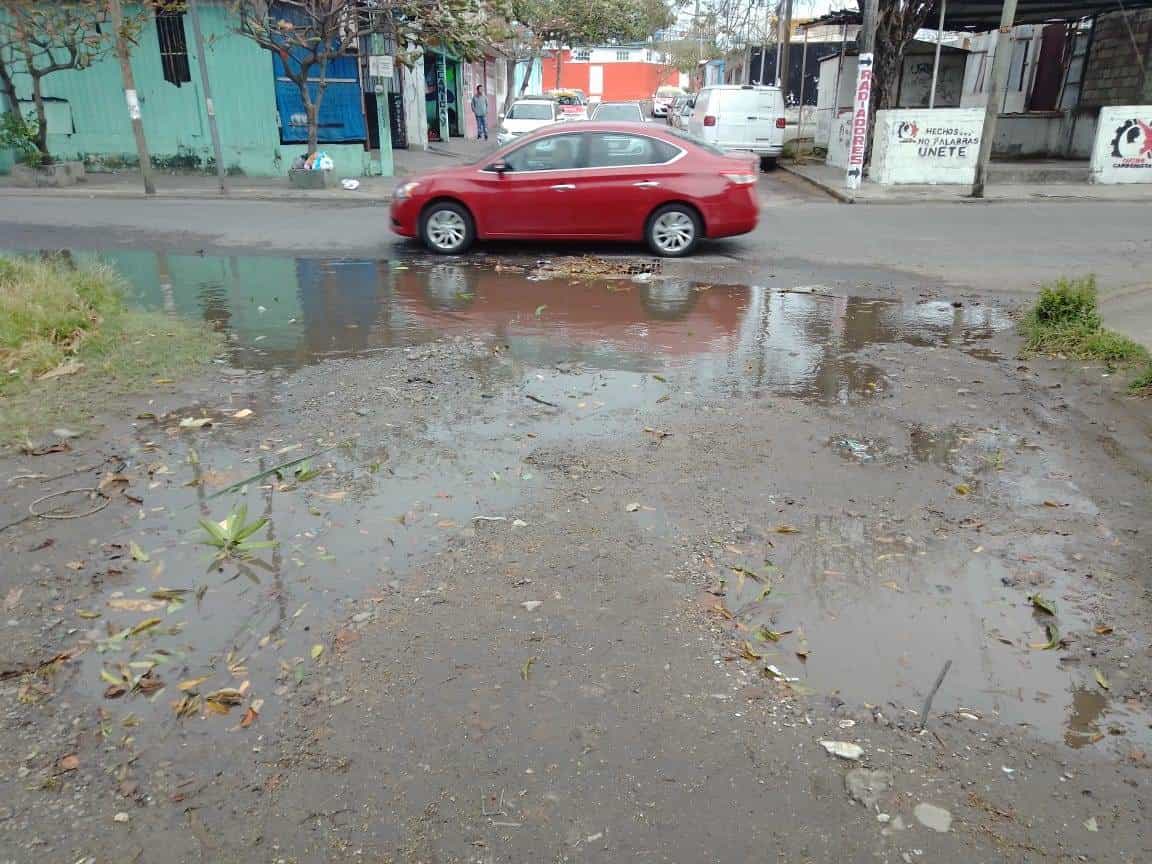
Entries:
{"x":616,"y":150}
{"x":554,"y":153}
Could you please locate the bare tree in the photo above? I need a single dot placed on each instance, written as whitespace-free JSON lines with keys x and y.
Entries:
{"x":307,"y":35}
{"x":46,"y":38}
{"x":896,"y":24}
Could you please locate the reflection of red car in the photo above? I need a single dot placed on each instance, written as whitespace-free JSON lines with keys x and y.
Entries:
{"x":586,"y":181}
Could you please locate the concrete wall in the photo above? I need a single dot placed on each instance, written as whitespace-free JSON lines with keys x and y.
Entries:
{"x":930,"y":147}
{"x":838,"y":140}
{"x":635,"y":80}
{"x":1123,"y":149}
{"x":89,"y":120}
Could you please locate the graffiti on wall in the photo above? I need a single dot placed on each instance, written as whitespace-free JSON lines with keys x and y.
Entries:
{"x":1123,"y":149}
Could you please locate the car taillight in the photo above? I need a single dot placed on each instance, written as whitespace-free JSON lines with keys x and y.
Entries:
{"x":741,"y":179}
{"x":781,"y":123}
{"x":709,"y":120}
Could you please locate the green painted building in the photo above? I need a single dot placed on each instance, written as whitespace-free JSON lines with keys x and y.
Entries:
{"x":258,"y":111}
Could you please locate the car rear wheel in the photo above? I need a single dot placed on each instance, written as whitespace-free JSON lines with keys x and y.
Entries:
{"x":673,"y":231}
{"x":447,"y":229}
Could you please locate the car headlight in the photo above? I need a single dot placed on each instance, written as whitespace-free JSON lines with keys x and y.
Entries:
{"x":406,"y":190}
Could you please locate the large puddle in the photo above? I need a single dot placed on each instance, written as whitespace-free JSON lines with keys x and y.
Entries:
{"x":346,"y":539}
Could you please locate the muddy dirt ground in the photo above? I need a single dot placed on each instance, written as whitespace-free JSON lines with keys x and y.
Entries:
{"x":583,"y":566}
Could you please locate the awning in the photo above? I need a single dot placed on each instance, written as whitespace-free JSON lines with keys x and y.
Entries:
{"x":982,"y":15}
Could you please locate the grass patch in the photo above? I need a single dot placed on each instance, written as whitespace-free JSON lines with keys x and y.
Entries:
{"x":1065,"y":320}
{"x":68,"y":343}
{"x":1143,"y":381}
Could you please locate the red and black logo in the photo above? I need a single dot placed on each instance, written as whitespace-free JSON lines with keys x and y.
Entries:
{"x":1133,"y":141}
{"x":907,"y":131}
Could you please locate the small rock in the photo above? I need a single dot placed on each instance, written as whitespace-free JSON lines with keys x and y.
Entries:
{"x":361,"y":617}
{"x":532,"y":605}
{"x":120,"y":817}
{"x":1092,"y":825}
{"x":519,"y":523}
{"x":843,"y":749}
{"x":866,"y":786}
{"x":931,"y":816}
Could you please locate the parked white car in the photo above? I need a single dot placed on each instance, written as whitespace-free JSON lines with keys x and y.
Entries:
{"x":662,"y":99}
{"x":741,"y":118}
{"x":526,"y":115}
{"x":618,"y":112}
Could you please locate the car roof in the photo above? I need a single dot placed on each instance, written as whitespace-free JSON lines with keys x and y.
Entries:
{"x":653,"y":130}
{"x":535,"y":100}
{"x":636,"y":104}
{"x":740,"y":87}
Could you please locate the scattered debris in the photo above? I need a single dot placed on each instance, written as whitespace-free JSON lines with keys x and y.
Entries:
{"x":532,"y":605}
{"x":1040,"y":602}
{"x":865,"y":786}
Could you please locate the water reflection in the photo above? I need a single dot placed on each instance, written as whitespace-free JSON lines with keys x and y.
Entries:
{"x":281,"y":313}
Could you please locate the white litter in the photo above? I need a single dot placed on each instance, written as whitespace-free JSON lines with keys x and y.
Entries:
{"x":843,"y":749}
{"x":350,"y":184}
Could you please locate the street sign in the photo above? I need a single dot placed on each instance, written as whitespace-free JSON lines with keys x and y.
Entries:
{"x":381,"y":65}
{"x":858,"y":143}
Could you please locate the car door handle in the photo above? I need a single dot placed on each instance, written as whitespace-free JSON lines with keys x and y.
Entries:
{"x":751,"y":118}
{"x":562,"y":186}
{"x":647,"y":184}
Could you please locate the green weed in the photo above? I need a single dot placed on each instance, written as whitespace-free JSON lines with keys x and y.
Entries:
{"x":230,"y":537}
{"x":1065,"y":320}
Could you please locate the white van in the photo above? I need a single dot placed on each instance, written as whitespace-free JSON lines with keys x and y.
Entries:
{"x":741,"y":118}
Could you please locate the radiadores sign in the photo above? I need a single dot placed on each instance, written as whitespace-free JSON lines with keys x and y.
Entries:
{"x":1123,"y":149}
{"x":858,"y":142}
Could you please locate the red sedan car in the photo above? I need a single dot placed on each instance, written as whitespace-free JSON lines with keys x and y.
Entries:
{"x":585,"y":181}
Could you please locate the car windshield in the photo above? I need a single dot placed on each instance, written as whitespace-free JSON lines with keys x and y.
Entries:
{"x":621,"y":111}
{"x":669,"y":92}
{"x":568,"y":99}
{"x":703,"y":145}
{"x":530,"y":111}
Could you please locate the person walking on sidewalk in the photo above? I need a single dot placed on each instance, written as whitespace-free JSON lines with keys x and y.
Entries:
{"x":480,"y":109}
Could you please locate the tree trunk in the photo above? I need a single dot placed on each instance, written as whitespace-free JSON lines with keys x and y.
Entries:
{"x":314,"y":106}
{"x":313,"y":113}
{"x":8,"y":100}
{"x":559,"y":63}
{"x":527,"y":76}
{"x":896,"y":26}
{"x":510,"y":77}
{"x":41,"y":118}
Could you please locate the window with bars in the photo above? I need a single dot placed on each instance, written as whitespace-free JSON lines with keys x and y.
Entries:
{"x":173,"y":46}
{"x":623,"y":56}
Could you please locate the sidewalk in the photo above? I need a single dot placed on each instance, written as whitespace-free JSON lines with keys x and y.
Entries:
{"x":408,"y":163}
{"x":831,"y":180}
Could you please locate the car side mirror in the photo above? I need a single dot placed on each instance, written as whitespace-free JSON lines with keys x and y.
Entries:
{"x":499,"y":167}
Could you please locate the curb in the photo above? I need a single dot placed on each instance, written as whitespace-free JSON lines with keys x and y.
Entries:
{"x":75,"y":192}
{"x":839,"y":194}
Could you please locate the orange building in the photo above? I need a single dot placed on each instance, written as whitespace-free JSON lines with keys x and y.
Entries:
{"x":619,"y":73}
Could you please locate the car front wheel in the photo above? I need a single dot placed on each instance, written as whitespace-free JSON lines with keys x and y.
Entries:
{"x":673,"y":231}
{"x":447,"y":229}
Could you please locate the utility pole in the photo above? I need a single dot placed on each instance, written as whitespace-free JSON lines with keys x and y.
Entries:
{"x":210,"y":107}
{"x":764,"y":41}
{"x":866,"y":38}
{"x":936,"y":61}
{"x":1001,"y":60}
{"x":785,"y":43}
{"x":130,"y":96}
